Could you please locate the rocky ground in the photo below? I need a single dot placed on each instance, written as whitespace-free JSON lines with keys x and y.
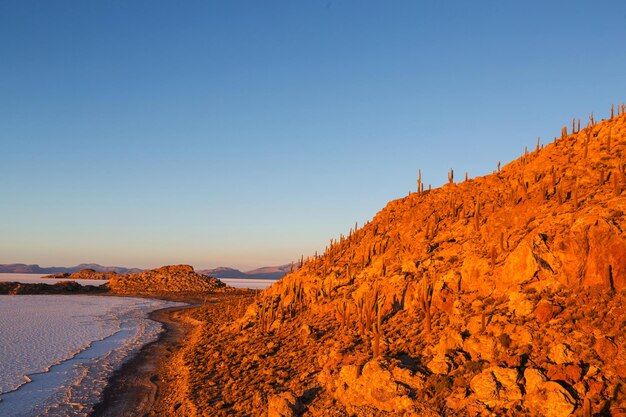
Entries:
{"x":499,"y":295}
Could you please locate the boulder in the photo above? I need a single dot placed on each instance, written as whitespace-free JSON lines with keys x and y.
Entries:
{"x":570,"y":374}
{"x":561,"y":354}
{"x":546,"y":398}
{"x":605,"y":348}
{"x":546,"y":311}
{"x":440,"y":364}
{"x":282,"y":405}
{"x":520,"y":266}
{"x":374,"y":386}
{"x":496,"y":386}
{"x":480,"y":347}
{"x":519,"y":304}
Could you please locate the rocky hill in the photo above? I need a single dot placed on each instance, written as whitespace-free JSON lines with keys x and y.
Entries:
{"x":498,"y":295}
{"x":167,"y":279}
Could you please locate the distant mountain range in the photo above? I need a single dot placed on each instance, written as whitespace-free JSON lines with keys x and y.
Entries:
{"x":268,"y":272}
{"x":36,"y":269}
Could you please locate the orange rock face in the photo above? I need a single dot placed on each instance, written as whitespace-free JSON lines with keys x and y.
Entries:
{"x":499,"y":295}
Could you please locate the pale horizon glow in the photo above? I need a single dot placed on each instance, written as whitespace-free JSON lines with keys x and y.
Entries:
{"x":246,"y":134}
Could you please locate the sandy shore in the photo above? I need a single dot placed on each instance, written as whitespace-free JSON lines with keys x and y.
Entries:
{"x":133,"y":389}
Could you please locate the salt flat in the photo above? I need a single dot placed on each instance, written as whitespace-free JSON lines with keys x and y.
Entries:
{"x":57,"y":351}
{"x":38,"y":279}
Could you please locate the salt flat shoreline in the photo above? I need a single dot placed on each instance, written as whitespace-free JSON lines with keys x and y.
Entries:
{"x":133,"y":388}
{"x":141,"y":385}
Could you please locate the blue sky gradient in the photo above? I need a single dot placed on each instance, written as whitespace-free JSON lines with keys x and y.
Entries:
{"x":247,"y":133}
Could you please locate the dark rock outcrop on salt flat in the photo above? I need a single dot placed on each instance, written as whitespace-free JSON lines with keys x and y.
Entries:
{"x":61,"y":287}
{"x":84,"y":274}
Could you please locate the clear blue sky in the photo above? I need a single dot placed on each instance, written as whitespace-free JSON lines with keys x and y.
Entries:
{"x":246,"y":133}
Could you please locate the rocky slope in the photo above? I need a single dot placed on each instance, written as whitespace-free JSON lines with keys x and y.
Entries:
{"x":499,"y":295}
{"x":167,"y":279}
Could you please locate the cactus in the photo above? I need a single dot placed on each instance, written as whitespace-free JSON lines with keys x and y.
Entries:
{"x":601,"y":177}
{"x":587,"y":409}
{"x":477,"y":216}
{"x":425,"y":299}
{"x":266,"y":316}
{"x":377,"y":334}
{"x":369,"y":307}
{"x":343,"y":312}
{"x":483,"y":322}
{"x":378,"y":329}
{"x":450,"y":177}
{"x":427,"y":235}
{"x":420,"y":186}
{"x":360,"y":304}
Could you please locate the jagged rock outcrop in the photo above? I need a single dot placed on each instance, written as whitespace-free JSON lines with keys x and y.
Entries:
{"x":167,"y":279}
